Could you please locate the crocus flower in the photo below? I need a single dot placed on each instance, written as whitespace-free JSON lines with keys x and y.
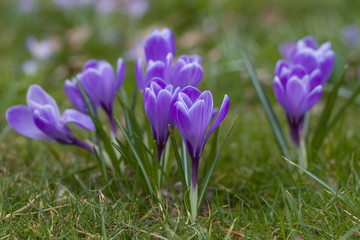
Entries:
{"x":101,"y":85}
{"x":297,"y":92}
{"x":158,"y":44}
{"x":41,"y":119}
{"x":192,"y":114}
{"x":159,"y":98}
{"x":298,"y":81}
{"x":159,"y":53}
{"x":351,"y":36}
{"x":311,"y":57}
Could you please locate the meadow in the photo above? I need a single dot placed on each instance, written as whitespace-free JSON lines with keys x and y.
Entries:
{"x":54,"y":191}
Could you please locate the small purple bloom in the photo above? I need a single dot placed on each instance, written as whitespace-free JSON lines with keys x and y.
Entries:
{"x":41,"y":50}
{"x":311,"y":57}
{"x":41,"y":119}
{"x":192,"y":114}
{"x":101,"y":85}
{"x":158,"y":44}
{"x":351,"y":36}
{"x":297,"y":92}
{"x":298,"y":81}
{"x":286,"y":49}
{"x":187,"y":71}
{"x":136,"y":8}
{"x":159,"y":99}
{"x":159,"y":53}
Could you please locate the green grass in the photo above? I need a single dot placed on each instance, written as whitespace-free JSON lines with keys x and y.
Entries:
{"x":53,"y":191}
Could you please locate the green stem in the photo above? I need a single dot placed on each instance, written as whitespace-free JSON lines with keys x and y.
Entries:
{"x":303,"y":161}
{"x":193,"y":201}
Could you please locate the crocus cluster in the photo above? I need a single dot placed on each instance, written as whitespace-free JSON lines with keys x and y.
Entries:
{"x":171,"y":97}
{"x":41,"y":119}
{"x":159,"y":53}
{"x":299,"y":80}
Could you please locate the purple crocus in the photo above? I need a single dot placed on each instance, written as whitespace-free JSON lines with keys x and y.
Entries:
{"x":298,"y":81}
{"x":101,"y":85}
{"x":159,"y":52}
{"x":159,"y":99}
{"x":41,"y":119}
{"x":192,"y":114}
{"x":351,"y":36}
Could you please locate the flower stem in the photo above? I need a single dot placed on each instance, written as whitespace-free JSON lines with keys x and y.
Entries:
{"x":303,"y":162}
{"x":193,"y":201}
{"x":194,"y":190}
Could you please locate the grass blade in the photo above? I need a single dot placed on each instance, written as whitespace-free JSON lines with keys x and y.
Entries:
{"x":212,"y":167}
{"x":321,"y":129}
{"x":267,"y":107}
{"x":340,"y":196}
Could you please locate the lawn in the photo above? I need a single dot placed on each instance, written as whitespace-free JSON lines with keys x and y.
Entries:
{"x":54,"y":191}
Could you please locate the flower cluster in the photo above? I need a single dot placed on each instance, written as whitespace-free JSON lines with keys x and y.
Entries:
{"x":170,"y":98}
{"x":165,"y":104}
{"x":299,"y":80}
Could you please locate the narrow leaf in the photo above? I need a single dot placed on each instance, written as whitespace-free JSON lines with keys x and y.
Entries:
{"x":267,"y":107}
{"x":212,"y":167}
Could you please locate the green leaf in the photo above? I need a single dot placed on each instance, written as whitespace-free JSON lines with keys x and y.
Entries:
{"x":137,"y":157}
{"x":330,"y":189}
{"x":212,"y":167}
{"x":321,"y":129}
{"x":274,"y":123}
{"x":178,"y":160}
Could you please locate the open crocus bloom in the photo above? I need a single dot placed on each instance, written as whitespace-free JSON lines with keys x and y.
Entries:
{"x":101,"y":85}
{"x":159,"y":99}
{"x":311,"y":57}
{"x":192,"y":114}
{"x":41,"y":119}
{"x":159,"y":52}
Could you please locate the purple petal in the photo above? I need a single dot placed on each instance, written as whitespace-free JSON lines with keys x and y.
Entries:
{"x":155,"y":69}
{"x":182,"y":120}
{"x":150,"y":107}
{"x":21,"y":120}
{"x":190,"y":74}
{"x":312,"y":99}
{"x":197,"y":114}
{"x":164,"y":114}
{"x":310,"y":42}
{"x":159,"y":44}
{"x":74,"y":95}
{"x":36,"y":94}
{"x":327,"y":65}
{"x":279,"y":92}
{"x":139,"y":74}
{"x":220,"y":117}
{"x":192,"y":92}
{"x":45,"y":120}
{"x":92,"y":63}
{"x":315,"y":79}
{"x":80,"y":119}
{"x":91,"y":81}
{"x":295,"y":95}
{"x":120,"y":74}
{"x":307,"y":59}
